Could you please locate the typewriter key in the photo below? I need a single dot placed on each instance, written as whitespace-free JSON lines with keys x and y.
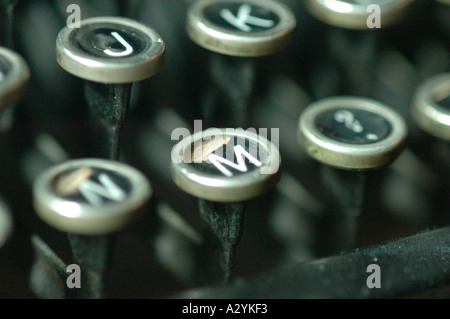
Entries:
{"x":354,"y":14}
{"x":110,"y":53}
{"x":431,"y":112}
{"x":6,"y":224}
{"x":14,"y":76}
{"x":431,"y":106}
{"x":224,"y":168}
{"x":91,"y":199}
{"x":236,"y":31}
{"x":244,"y":28}
{"x":352,"y":38}
{"x":90,"y":196}
{"x":350,"y":134}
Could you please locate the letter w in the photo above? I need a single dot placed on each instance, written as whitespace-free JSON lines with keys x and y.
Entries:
{"x":92,"y":191}
{"x":217,"y":161}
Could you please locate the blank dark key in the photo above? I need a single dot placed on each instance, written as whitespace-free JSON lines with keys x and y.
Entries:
{"x":349,"y":134}
{"x":110,"y":53}
{"x":236,"y":32}
{"x":91,"y":199}
{"x":224,"y":169}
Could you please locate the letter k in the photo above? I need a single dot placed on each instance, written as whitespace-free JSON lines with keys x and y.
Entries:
{"x":244,"y":18}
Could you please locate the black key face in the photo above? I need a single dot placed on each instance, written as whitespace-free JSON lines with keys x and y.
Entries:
{"x":241,"y":17}
{"x":92,"y":186}
{"x":353,"y":126}
{"x":107,"y":40}
{"x":5,"y":68}
{"x":444,"y":102}
{"x":227,"y":156}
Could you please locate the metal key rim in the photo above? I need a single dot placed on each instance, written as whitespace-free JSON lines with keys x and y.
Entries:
{"x":221,"y":188}
{"x":351,"y":156}
{"x":428,"y":114}
{"x":12,"y":88}
{"x":84,"y":219}
{"x":111,"y":71}
{"x":236,"y":43}
{"x":338,"y":13}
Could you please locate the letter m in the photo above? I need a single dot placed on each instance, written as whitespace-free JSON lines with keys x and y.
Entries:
{"x":219,"y":162}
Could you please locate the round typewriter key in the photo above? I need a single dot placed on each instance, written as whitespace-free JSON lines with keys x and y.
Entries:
{"x":352,"y":31}
{"x":110,"y":53}
{"x":110,"y":50}
{"x":90,"y":196}
{"x":240,"y":27}
{"x":6,"y":224}
{"x":14,"y":76}
{"x":225,"y":165}
{"x":236,"y":32}
{"x":431,"y":106}
{"x":352,"y":132}
{"x":349,"y":134}
{"x":91,"y":199}
{"x":354,"y":14}
{"x":224,"y":168}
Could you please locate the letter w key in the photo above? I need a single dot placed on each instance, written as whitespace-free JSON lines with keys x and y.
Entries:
{"x":243,"y":18}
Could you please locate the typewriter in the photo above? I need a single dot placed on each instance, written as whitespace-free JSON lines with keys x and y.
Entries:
{"x":224,"y":149}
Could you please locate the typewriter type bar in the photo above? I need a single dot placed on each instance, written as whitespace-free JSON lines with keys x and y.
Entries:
{"x":236,"y":32}
{"x":91,"y":199}
{"x":224,"y":169}
{"x":110,"y":53}
{"x":352,"y":37}
{"x":7,"y":22}
{"x":349,"y":135}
